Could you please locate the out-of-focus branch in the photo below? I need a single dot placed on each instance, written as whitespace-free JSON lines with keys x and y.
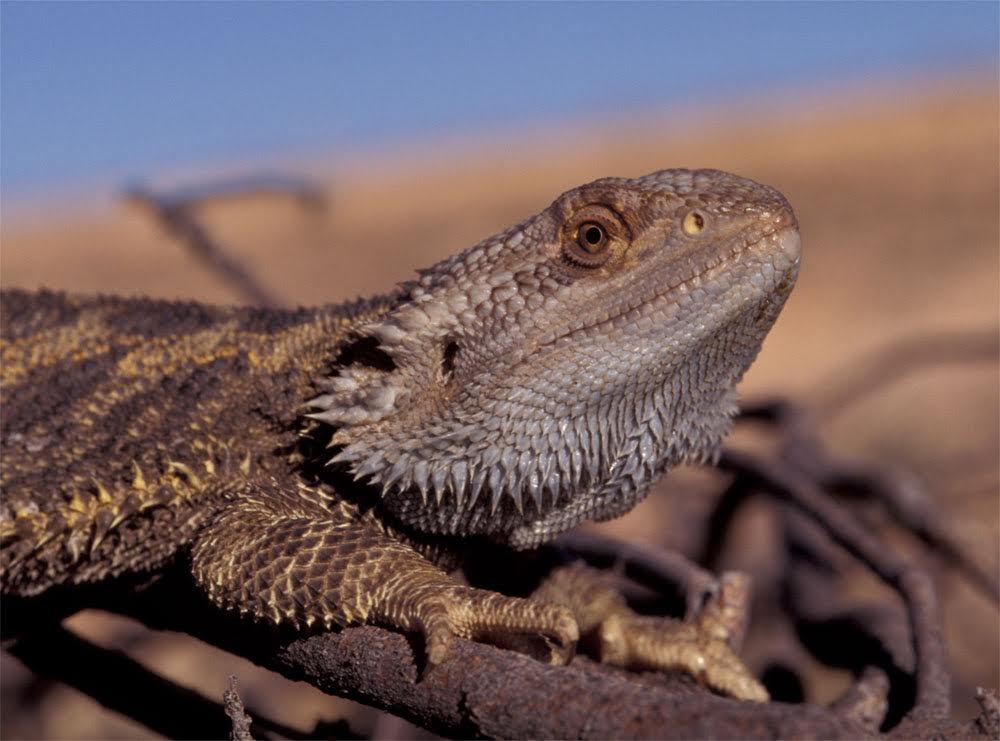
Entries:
{"x":267,"y":185}
{"x":177,"y":212}
{"x":896,"y":359}
{"x":901,"y":494}
{"x":932,"y":679}
{"x":125,"y":686}
{"x":906,"y":501}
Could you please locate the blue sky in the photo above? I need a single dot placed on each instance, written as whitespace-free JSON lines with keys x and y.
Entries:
{"x":110,"y":90}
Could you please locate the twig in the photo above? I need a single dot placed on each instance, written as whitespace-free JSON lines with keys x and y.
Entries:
{"x":989,"y":719}
{"x":240,"y":730}
{"x":729,"y":607}
{"x":867,"y":699}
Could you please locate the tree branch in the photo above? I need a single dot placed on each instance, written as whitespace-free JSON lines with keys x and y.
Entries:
{"x":482,"y":691}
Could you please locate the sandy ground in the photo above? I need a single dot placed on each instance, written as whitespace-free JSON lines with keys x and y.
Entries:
{"x":896,"y":190}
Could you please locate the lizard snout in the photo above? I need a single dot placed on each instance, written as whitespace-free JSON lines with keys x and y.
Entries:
{"x":790,"y":242}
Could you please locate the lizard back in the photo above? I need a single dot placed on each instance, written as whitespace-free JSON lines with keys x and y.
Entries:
{"x":121,"y":416}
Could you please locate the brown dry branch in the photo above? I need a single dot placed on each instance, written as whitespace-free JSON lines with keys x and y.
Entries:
{"x":482,"y":691}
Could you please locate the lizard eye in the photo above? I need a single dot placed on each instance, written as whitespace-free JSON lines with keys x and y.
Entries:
{"x":592,"y":237}
{"x":694,"y":223}
{"x":590,"y":246}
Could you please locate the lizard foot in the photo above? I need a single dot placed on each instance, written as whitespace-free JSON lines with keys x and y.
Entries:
{"x":622,"y":637}
{"x":440,"y":612}
{"x":640,"y":643}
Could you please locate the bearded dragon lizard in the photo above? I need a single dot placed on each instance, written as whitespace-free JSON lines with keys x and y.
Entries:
{"x":323,"y":467}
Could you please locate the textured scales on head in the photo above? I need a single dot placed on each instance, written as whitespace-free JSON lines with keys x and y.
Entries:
{"x":552,"y":372}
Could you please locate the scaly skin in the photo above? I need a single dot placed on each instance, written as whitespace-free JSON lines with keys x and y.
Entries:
{"x":302,"y":461}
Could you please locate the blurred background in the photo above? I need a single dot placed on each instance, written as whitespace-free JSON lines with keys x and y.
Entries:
{"x":431,"y":126}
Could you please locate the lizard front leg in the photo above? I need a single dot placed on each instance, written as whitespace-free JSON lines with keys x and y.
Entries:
{"x":288,"y":554}
{"x":627,"y":639}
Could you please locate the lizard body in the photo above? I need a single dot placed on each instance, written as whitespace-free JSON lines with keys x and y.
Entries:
{"x":311,"y":465}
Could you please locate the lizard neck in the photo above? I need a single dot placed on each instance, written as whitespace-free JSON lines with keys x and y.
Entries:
{"x":525,"y":481}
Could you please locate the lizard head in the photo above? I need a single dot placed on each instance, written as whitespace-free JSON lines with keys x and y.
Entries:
{"x":552,"y":372}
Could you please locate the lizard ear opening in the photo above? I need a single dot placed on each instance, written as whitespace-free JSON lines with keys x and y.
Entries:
{"x":386,"y":368}
{"x":363,"y":388}
{"x":448,"y":356}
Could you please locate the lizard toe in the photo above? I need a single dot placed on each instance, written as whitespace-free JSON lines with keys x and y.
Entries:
{"x":644,"y":643}
{"x":544,"y":631}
